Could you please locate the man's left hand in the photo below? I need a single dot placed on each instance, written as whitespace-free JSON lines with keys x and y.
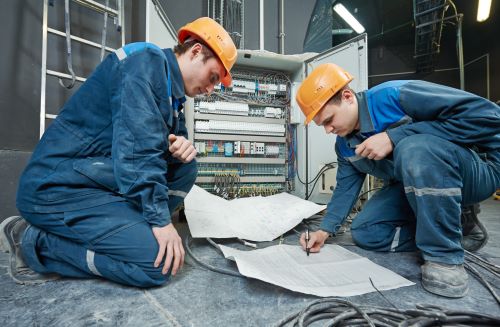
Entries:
{"x":181,"y":148}
{"x":376,"y":147}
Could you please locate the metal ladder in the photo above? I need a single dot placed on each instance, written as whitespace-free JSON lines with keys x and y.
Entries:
{"x":117,"y":13}
{"x":428,"y":27}
{"x":429,"y":16}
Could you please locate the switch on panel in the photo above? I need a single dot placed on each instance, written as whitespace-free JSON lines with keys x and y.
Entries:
{"x":328,"y":179}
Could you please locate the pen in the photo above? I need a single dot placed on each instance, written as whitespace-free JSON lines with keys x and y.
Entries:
{"x":307,"y":241}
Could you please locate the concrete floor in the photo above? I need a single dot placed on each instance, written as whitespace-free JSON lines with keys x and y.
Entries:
{"x":199,"y":297}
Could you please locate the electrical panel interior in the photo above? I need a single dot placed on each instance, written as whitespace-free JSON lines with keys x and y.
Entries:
{"x":243,"y":135}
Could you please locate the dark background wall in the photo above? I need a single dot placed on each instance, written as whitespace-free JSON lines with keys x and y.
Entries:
{"x":390,"y":51}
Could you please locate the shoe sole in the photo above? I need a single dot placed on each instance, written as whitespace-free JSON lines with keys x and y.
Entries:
{"x":7,"y":245}
{"x":442,"y":289}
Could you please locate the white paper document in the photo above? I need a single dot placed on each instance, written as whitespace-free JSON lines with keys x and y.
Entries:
{"x":254,"y":218}
{"x":334,"y":271}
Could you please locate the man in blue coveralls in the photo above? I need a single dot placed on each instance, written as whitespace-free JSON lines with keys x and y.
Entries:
{"x":108,"y":173}
{"x":437,"y":150}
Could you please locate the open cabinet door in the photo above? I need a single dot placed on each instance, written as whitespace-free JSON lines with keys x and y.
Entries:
{"x":316,"y":148}
{"x":159,"y":29}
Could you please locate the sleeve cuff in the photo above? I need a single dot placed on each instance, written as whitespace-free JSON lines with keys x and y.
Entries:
{"x":160,"y":219}
{"x":330,"y":226}
{"x":395,"y":135}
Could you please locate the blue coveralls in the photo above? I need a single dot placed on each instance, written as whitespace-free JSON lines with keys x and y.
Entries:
{"x":102,"y":176}
{"x":446,"y":155}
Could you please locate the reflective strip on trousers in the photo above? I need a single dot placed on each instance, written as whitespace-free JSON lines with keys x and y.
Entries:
{"x":180,"y":194}
{"x":91,"y":264}
{"x":453,"y":191}
{"x":395,"y":240}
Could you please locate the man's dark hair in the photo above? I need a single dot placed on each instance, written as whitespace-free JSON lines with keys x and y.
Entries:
{"x":337,"y":97}
{"x":184,"y":47}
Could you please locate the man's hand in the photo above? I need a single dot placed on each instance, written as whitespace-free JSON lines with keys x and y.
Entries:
{"x":316,"y":240}
{"x":181,"y":148}
{"x":375,"y":147}
{"x":170,"y":244}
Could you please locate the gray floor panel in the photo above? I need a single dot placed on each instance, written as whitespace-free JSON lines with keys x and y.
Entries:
{"x":199,"y":297}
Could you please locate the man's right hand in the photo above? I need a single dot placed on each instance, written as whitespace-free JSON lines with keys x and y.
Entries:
{"x":170,"y":246}
{"x":316,"y":240}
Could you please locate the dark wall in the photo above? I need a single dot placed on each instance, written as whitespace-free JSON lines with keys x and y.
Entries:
{"x":20,"y":81}
{"x":20,"y":60}
{"x":479,"y":39}
{"x":297,"y":13}
{"x":20,"y":73}
{"x":20,"y":64}
{"x":22,"y":41}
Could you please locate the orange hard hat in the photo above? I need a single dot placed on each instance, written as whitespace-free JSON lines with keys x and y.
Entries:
{"x":215,"y":36}
{"x":322,"y":84}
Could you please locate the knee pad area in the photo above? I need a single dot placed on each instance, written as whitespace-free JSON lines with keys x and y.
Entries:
{"x":372,"y":237}
{"x":155,"y":277}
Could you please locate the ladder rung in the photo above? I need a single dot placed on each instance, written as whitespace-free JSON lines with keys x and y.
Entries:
{"x":63,"y":75}
{"x":97,"y":7}
{"x":429,"y":10}
{"x":50,"y":116}
{"x":78,"y":39}
{"x":425,"y":54}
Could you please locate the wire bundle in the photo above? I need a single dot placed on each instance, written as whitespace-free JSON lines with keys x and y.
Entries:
{"x":471,"y":258}
{"x":340,"y":312}
{"x":328,"y":166}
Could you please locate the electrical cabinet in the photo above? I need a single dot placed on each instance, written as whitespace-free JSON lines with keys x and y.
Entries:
{"x":250,"y":137}
{"x":242,"y":134}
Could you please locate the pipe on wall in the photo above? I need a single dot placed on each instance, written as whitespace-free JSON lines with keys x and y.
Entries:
{"x":261,"y":24}
{"x":281,"y":32}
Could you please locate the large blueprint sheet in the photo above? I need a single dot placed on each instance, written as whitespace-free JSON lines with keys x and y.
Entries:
{"x":334,"y":271}
{"x":255,"y":218}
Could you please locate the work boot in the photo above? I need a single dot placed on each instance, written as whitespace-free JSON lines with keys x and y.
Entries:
{"x":11,"y":234}
{"x":474,"y":233}
{"x":445,"y":280}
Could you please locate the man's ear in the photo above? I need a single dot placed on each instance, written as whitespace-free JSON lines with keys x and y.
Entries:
{"x":347,"y":95}
{"x":195,"y":50}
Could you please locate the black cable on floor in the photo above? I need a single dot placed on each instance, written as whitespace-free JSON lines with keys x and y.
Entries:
{"x":486,"y":265}
{"x":341,"y":312}
{"x":187,"y":244}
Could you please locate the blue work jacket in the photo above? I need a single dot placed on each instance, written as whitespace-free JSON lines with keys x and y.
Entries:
{"x":404,"y":108}
{"x":110,"y":140}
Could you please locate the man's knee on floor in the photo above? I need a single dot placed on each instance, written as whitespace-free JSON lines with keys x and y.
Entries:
{"x":154,"y":278}
{"x":375,"y":237}
{"x":365,"y":237}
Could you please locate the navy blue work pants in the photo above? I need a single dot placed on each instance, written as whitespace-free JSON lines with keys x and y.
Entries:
{"x":422,"y":210}
{"x":112,"y":240}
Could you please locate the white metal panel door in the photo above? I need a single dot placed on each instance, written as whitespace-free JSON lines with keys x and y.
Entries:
{"x":159,"y":29}
{"x":316,"y":148}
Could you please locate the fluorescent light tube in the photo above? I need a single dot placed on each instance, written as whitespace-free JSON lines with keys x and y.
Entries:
{"x":346,"y":15}
{"x":483,"y":10}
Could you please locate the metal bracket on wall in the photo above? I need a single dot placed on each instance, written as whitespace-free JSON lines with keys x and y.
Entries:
{"x":117,"y":13}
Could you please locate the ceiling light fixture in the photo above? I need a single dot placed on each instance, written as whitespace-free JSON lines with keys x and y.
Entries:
{"x":483,"y":10}
{"x":346,"y":15}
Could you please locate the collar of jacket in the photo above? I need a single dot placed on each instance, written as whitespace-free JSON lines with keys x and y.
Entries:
{"x":366,"y":128}
{"x":175,"y":75}
{"x":365,"y":120}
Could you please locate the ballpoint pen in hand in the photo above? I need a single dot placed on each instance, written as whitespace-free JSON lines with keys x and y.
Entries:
{"x":307,"y":241}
